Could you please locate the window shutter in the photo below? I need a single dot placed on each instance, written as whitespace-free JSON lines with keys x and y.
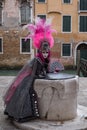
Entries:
{"x":42,"y":16}
{"x":83,"y":4}
{"x":66,"y":49}
{"x":66,"y":1}
{"x":25,"y":14}
{"x":66,"y":23}
{"x":83,"y":23}
{"x":41,"y":0}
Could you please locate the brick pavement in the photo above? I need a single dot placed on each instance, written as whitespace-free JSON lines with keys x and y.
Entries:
{"x":5,"y":124}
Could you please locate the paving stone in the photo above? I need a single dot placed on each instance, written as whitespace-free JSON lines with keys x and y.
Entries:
{"x":79,"y":123}
{"x":5,"y":124}
{"x":76,"y":124}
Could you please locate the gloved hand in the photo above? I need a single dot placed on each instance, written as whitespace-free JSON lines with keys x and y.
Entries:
{"x":41,"y":76}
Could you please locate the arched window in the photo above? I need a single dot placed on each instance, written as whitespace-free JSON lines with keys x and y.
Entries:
{"x":25,"y":12}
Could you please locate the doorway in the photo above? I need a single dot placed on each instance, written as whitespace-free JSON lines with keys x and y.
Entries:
{"x":81,"y":52}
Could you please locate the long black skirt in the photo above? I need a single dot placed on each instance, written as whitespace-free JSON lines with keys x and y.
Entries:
{"x":23,"y":105}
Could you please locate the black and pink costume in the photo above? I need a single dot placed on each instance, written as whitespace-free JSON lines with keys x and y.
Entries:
{"x":21,"y":98}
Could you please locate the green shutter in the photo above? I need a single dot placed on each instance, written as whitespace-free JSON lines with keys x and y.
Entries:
{"x":66,"y":49}
{"x":83,"y":23}
{"x":42,"y":16}
{"x":66,"y":1}
{"x":66,"y":23}
{"x":83,"y":4}
{"x":41,"y":0}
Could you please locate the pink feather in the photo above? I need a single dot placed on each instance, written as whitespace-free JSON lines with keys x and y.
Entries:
{"x":40,"y":31}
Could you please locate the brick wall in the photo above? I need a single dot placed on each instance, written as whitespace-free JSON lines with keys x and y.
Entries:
{"x":11,"y":31}
{"x":11,"y":49}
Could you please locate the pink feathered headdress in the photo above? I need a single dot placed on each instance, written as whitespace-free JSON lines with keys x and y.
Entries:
{"x":40,"y":31}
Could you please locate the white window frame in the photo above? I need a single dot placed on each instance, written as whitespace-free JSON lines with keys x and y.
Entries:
{"x":67,"y":3}
{"x":79,"y":24}
{"x":2,"y":45}
{"x":42,"y":14}
{"x":42,"y":2}
{"x":62,"y":24}
{"x":21,"y":46}
{"x":79,"y":8}
{"x":70,"y":49}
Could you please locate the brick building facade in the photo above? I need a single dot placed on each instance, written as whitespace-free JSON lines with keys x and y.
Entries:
{"x":14,"y":14}
{"x":69,"y":19}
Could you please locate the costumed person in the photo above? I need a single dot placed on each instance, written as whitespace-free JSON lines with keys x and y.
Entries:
{"x":21,"y":102}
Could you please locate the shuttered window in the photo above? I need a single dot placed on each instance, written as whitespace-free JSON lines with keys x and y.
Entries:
{"x":83,"y":24}
{"x":25,"y":46}
{"x":66,"y":49}
{"x":41,"y":1}
{"x":66,"y":23}
{"x":83,"y":5}
{"x":42,"y":16}
{"x":25,"y":13}
{"x":66,"y":1}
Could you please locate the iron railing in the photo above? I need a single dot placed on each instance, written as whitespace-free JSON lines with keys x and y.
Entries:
{"x":82,"y":67}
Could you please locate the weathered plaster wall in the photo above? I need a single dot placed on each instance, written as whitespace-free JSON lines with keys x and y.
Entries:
{"x":11,"y":13}
{"x":11,"y":32}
